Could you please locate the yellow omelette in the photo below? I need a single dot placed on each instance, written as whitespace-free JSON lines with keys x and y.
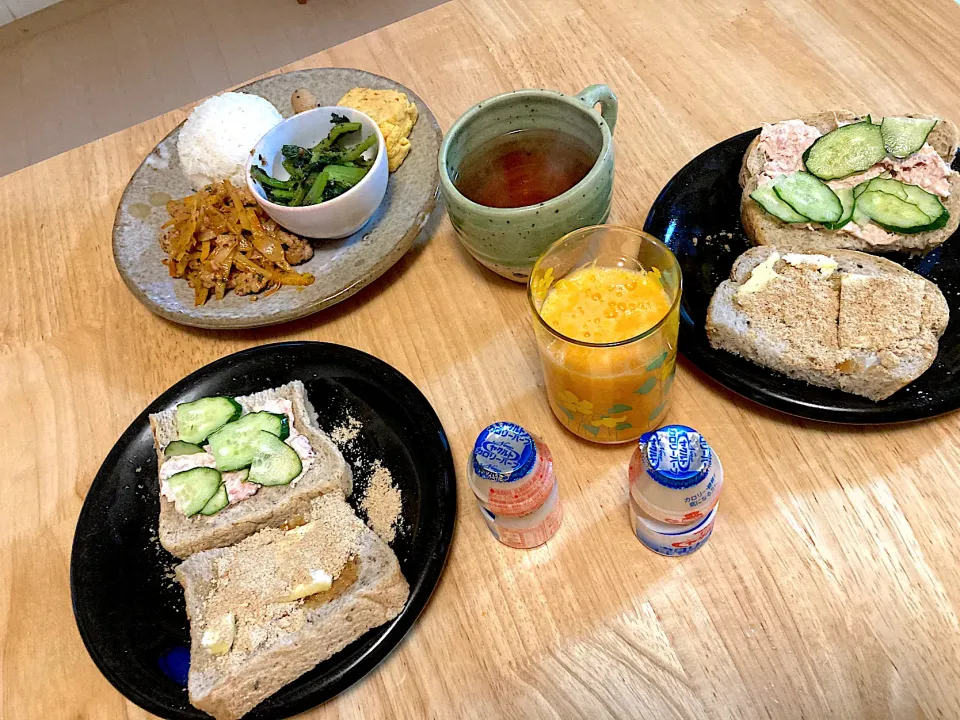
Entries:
{"x":393,"y":112}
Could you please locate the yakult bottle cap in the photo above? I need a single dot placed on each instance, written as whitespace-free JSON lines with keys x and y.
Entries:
{"x":504,"y":452}
{"x":676,"y":456}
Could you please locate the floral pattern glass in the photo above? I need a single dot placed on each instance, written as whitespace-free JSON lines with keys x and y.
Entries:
{"x":613,"y":392}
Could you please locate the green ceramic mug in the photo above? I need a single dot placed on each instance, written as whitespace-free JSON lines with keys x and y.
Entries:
{"x":509,"y":240}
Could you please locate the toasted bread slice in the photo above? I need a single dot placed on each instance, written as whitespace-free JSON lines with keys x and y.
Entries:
{"x":271,"y":506}
{"x":765,"y":229}
{"x":274,"y":641}
{"x":839,"y":319}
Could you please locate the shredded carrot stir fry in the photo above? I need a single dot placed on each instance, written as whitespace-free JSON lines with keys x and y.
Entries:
{"x":219,"y":239}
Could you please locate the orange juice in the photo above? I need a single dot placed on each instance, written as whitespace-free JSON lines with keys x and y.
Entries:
{"x":608,"y":394}
{"x":605,"y":304}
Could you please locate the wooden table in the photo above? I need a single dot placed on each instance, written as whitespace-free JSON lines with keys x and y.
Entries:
{"x":830,"y":587}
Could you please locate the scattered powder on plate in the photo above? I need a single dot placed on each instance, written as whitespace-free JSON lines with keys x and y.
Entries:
{"x":381,"y":503}
{"x":347,"y":432}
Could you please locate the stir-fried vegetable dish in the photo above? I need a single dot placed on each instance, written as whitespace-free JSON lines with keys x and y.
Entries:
{"x":219,"y":239}
{"x":322,"y":172}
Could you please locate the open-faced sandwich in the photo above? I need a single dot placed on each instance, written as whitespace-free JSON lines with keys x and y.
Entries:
{"x":845,"y":181}
{"x":268,"y":609}
{"x":231,"y":466}
{"x":836,"y":318}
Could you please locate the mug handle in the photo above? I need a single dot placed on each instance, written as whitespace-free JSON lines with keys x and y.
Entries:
{"x":602,"y":94}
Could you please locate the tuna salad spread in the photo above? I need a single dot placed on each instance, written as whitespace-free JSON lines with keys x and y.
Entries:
{"x":868,"y":179}
{"x":205,"y":471}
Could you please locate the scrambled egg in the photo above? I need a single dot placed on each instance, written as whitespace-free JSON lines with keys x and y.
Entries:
{"x":393,"y":112}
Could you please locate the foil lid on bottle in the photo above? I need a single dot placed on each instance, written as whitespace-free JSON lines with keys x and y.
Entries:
{"x":676,"y":456}
{"x":504,"y":452}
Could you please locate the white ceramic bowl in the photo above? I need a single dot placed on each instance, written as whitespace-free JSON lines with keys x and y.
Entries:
{"x":336,"y":218}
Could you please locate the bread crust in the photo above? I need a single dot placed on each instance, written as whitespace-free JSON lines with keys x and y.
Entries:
{"x":764,"y":229}
{"x":271,"y":506}
{"x":729,"y":328}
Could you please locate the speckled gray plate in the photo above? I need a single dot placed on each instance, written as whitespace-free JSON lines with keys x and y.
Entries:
{"x":341,"y":267}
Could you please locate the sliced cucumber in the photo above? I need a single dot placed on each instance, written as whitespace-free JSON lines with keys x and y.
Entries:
{"x":848,"y":203}
{"x":197,"y":419}
{"x":217,"y":503}
{"x":890,"y":212}
{"x":928,"y":202}
{"x":845,"y":151}
{"x":891,"y":187}
{"x":275,"y":462}
{"x":766,"y":198}
{"x":179,"y":447}
{"x":859,"y":216}
{"x":903,"y":136}
{"x":194,"y":488}
{"x":809,"y":196}
{"x":234,"y":445}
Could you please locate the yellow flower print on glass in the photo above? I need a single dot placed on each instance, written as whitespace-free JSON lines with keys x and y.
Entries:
{"x":540,"y":284}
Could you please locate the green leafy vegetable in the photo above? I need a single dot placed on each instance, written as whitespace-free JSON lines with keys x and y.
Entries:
{"x":321,"y":173}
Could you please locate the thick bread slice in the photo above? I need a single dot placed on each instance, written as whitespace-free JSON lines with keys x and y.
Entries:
{"x":764,"y":229}
{"x":869,"y":328}
{"x":229,"y":686}
{"x":271,"y":506}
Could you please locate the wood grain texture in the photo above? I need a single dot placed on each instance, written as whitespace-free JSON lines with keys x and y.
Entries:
{"x":830,"y":588}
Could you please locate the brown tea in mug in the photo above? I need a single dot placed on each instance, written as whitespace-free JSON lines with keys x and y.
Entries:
{"x":524,"y":167}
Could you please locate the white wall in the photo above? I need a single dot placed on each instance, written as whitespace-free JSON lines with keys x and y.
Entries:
{"x":11,"y":10}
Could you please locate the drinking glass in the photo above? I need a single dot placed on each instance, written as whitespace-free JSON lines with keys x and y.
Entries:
{"x":607,"y":392}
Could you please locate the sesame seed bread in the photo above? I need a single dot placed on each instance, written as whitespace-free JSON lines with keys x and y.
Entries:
{"x":271,"y":506}
{"x":764,"y":229}
{"x":276,"y":642}
{"x":868,"y":327}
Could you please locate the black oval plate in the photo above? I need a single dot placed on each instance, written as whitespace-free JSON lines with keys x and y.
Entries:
{"x":697,"y":215}
{"x":130,"y":610}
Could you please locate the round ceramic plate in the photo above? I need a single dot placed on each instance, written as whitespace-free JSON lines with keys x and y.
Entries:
{"x":130,"y":611}
{"x":698,"y":216}
{"x":341,"y":267}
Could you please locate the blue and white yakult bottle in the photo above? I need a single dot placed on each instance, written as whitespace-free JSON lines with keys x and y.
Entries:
{"x":675,"y":477}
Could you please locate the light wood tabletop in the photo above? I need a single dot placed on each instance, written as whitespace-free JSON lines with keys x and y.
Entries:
{"x":830,"y":587}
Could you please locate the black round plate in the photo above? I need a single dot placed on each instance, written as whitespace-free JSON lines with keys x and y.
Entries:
{"x":130,"y":611}
{"x":697,"y":215}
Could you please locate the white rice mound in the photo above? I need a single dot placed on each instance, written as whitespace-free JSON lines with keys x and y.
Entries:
{"x":217,"y":138}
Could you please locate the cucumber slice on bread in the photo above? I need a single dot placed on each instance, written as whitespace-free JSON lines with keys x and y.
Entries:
{"x":217,"y":503}
{"x":179,"y":447}
{"x":848,"y":202}
{"x":891,"y":187}
{"x":845,"y":151}
{"x":928,"y":202}
{"x":274,"y":462}
{"x":198,"y":419}
{"x":235,"y":445}
{"x":194,"y":488}
{"x":809,"y":196}
{"x":903,"y":219}
{"x":903,"y":136}
{"x":766,"y":198}
{"x":893,"y":213}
